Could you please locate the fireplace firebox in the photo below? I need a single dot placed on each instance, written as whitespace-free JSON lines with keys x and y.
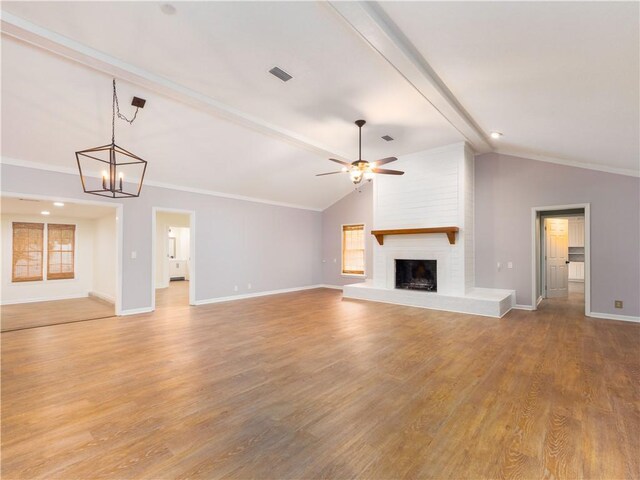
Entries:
{"x":417,"y":275}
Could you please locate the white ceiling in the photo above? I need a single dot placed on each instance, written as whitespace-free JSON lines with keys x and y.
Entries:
{"x":545,"y":74}
{"x":29,"y":206}
{"x":559,"y":79}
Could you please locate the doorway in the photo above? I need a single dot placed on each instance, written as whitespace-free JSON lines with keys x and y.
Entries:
{"x":561,"y":270}
{"x":173,"y":247}
{"x":60,"y":261}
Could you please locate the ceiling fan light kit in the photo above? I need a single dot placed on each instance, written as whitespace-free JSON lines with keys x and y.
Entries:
{"x":103,"y":169}
{"x":362,"y":169}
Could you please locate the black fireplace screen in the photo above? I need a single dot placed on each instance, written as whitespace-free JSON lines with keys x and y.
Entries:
{"x":417,"y":275}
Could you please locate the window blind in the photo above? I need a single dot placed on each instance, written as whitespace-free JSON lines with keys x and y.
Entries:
{"x":28,"y":239}
{"x":60,"y":251}
{"x":353,"y":249}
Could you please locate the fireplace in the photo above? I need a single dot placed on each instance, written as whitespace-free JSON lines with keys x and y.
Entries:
{"x":417,"y":275}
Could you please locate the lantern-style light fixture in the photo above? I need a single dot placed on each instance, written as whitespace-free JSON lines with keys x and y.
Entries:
{"x":110,"y":170}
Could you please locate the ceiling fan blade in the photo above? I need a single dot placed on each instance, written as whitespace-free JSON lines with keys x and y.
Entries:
{"x":385,"y":171}
{"x":340,"y":162}
{"x":330,"y":173}
{"x":385,"y":161}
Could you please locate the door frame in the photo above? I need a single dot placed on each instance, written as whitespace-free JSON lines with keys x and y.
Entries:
{"x":119,"y":213}
{"x":537,"y":248}
{"x":192,"y":251}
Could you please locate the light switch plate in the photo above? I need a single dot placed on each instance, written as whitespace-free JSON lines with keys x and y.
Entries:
{"x":134,"y":255}
{"x":618,"y":303}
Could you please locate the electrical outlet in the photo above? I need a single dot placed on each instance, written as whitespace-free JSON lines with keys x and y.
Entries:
{"x":134,"y":255}
{"x":248,"y":286}
{"x":499,"y":266}
{"x":235,"y":288}
{"x":617,"y":303}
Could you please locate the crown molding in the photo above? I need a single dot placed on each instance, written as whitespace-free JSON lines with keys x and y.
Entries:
{"x":568,"y":163}
{"x":201,"y":191}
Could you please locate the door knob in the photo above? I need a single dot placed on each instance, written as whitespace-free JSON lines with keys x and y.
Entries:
{"x":566,"y":261}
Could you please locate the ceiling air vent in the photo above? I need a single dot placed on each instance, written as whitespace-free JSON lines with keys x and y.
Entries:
{"x":387,"y":138}
{"x":281,"y":74}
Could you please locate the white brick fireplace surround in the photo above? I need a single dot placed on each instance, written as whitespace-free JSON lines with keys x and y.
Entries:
{"x":435,"y":191}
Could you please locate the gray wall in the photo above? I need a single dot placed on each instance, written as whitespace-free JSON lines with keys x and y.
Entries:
{"x":357,"y":207}
{"x":508,"y":187}
{"x":237,"y":242}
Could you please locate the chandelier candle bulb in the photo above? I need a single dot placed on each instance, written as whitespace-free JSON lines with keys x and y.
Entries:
{"x":104,"y":180}
{"x":121,"y":177}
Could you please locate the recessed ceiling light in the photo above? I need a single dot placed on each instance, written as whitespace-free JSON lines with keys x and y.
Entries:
{"x":496,"y":135}
{"x":387,"y":138}
{"x":58,"y":204}
{"x":281,"y":74}
{"x":45,"y":212}
{"x":168,"y":9}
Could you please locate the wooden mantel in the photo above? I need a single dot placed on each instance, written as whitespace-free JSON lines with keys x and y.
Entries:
{"x":450,"y":231}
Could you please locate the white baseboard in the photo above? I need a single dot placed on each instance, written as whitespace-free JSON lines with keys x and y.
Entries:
{"x":135,"y":311}
{"x":523,"y":307}
{"x":253,"y":295}
{"x":103,"y":296}
{"x":45,"y":299}
{"x":611,"y":316}
{"x":334,"y":287}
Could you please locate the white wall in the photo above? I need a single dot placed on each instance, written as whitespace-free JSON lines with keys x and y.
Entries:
{"x":44,"y":290}
{"x":104,"y":260}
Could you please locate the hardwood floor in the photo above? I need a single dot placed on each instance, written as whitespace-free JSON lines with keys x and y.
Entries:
{"x":306,"y":385}
{"x":37,"y":314}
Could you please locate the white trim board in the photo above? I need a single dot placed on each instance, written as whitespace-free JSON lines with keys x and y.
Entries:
{"x":46,"y":299}
{"x":611,"y":316}
{"x":103,"y":297}
{"x":568,"y":163}
{"x":135,"y":311}
{"x":523,"y":307}
{"x":201,"y":191}
{"x":245,"y":296}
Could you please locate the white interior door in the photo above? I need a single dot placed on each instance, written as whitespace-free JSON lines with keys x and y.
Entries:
{"x":556,"y":257}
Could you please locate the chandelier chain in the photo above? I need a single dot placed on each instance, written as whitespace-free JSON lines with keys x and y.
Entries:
{"x":116,"y":108}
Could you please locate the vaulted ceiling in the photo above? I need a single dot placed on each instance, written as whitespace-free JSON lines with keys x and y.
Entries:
{"x":560,"y":80}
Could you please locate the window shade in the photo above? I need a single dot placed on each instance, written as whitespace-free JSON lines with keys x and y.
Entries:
{"x":28,"y":239}
{"x":353,"y":249}
{"x":60,"y":251}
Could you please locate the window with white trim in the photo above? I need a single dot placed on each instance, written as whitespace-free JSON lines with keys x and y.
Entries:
{"x":353,"y":249}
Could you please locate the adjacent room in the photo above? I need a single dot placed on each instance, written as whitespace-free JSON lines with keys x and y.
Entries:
{"x":320,"y":240}
{"x":59,"y":262}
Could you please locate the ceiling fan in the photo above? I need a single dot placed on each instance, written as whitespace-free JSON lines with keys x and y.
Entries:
{"x":361,"y":169}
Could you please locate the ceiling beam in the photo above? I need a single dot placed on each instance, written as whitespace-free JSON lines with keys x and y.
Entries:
{"x":33,"y":34}
{"x":384,"y":37}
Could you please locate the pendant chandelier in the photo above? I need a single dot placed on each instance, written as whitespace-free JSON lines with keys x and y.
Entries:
{"x":110,"y":170}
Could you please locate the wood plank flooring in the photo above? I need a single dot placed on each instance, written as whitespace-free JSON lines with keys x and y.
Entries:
{"x":37,"y":314}
{"x":307,"y":385}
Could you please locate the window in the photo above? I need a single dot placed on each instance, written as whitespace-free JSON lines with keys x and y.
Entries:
{"x":353,"y":249}
{"x":60,"y":251}
{"x":27,"y":252}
